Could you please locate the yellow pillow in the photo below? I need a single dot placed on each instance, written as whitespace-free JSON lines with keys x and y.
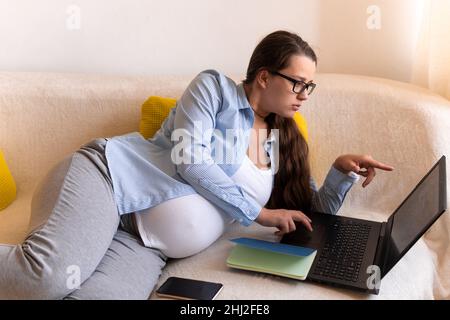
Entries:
{"x":7,"y":184}
{"x":153,"y":112}
{"x":301,"y":124}
{"x":155,"y":109}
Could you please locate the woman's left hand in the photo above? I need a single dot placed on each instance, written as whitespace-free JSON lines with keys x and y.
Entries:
{"x":352,"y":162}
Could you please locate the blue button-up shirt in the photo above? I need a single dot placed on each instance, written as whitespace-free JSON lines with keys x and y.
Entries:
{"x":148,"y":172}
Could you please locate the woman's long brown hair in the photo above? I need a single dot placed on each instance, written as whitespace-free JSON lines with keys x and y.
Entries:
{"x":292,"y":181}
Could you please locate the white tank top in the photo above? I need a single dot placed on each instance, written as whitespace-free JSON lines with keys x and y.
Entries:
{"x":186,"y":225}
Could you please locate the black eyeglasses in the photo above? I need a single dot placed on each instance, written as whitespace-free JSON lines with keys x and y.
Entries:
{"x":299,"y":85}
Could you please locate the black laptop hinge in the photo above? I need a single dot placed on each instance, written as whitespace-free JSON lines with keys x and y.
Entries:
{"x":379,"y":256}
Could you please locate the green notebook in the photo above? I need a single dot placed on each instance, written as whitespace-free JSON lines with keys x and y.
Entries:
{"x":270,"y":257}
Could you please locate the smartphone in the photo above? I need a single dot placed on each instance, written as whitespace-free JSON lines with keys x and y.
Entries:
{"x":189,"y":289}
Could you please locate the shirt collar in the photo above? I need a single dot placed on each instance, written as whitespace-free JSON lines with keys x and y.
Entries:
{"x":243,"y":101}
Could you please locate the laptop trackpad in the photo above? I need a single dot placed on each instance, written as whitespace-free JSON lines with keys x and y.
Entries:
{"x":304,"y":238}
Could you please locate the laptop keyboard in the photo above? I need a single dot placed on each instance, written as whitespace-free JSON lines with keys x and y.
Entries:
{"x":343,"y":252}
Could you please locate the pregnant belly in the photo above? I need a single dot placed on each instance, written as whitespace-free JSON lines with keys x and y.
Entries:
{"x":182,"y":226}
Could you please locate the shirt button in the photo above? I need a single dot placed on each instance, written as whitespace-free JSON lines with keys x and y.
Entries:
{"x":240,"y":220}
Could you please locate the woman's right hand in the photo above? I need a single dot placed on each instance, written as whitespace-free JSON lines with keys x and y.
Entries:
{"x":282,"y":219}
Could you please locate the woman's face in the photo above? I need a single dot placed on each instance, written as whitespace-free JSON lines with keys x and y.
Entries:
{"x":277,"y":96}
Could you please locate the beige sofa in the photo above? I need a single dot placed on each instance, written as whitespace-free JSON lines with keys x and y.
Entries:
{"x":46,"y":116}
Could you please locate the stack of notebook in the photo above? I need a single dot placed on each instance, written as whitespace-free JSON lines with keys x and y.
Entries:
{"x":271,"y":257}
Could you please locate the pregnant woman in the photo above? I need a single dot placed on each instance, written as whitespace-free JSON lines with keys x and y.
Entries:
{"x":105,"y":220}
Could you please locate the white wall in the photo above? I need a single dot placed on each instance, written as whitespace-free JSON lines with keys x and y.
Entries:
{"x":185,"y":37}
{"x":346,"y":44}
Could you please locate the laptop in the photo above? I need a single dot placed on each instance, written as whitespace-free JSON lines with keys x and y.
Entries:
{"x":356,"y":253}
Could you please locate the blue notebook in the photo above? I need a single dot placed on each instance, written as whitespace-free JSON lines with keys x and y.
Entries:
{"x":271,"y":257}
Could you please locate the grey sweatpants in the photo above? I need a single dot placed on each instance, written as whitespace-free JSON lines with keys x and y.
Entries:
{"x":77,"y":247}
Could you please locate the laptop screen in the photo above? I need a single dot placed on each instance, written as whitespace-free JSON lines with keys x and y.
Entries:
{"x":417,"y":213}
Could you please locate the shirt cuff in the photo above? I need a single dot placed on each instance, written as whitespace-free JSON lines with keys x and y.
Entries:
{"x":339,"y":181}
{"x":250,"y":210}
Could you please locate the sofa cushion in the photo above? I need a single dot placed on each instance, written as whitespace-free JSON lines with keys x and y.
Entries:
{"x":7,"y":184}
{"x":155,"y":109}
{"x":153,"y":112}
